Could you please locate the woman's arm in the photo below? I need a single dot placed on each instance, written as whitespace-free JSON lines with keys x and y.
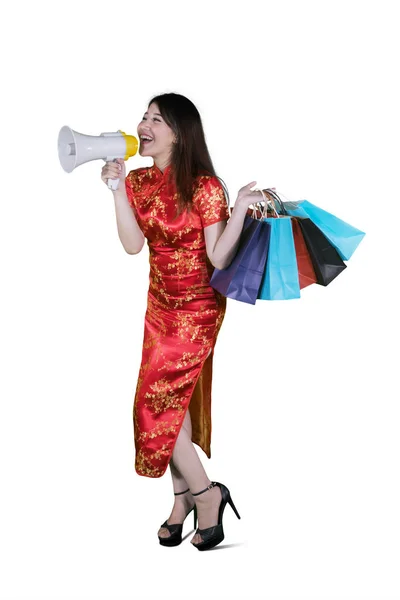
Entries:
{"x":222,"y":238}
{"x":129,"y":232}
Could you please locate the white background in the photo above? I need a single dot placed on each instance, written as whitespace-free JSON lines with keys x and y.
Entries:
{"x":297,"y":95}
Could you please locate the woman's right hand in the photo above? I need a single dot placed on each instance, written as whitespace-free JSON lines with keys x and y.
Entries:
{"x":114,"y":170}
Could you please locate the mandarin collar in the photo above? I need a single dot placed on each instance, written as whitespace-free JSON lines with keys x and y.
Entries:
{"x":158,"y":174}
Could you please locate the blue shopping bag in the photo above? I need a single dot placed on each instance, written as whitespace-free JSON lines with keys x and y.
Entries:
{"x":281,"y":276}
{"x":241,"y":280}
{"x":344,"y":237}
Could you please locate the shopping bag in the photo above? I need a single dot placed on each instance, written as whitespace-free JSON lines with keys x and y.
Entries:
{"x":343,"y":236}
{"x":242,"y":278}
{"x":281,"y":277}
{"x":305,"y":266}
{"x":325,"y":258}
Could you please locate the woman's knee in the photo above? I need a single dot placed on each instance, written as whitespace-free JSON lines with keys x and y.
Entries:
{"x":184,"y":437}
{"x":187,"y":423}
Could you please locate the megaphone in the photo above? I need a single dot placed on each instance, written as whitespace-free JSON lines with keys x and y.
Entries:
{"x":75,"y":148}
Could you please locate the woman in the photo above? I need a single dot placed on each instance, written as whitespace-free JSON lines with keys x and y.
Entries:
{"x":179,"y":206}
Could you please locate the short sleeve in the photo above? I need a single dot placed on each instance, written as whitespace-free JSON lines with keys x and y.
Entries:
{"x":210,"y":201}
{"x":131,"y":186}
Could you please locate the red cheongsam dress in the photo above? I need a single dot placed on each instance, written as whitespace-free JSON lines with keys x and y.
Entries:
{"x":183,"y":316}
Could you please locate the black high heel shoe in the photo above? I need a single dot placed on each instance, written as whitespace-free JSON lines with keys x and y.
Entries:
{"x":175,"y":529}
{"x":212,"y":536}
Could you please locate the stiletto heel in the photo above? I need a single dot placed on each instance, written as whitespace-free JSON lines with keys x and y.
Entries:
{"x":175,"y":529}
{"x":233,"y":507}
{"x":212,"y":536}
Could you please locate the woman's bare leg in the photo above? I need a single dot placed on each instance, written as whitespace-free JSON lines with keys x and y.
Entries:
{"x":183,"y":502}
{"x":188,"y":464}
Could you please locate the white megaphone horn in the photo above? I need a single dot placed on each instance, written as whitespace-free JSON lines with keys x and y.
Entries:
{"x":75,"y":148}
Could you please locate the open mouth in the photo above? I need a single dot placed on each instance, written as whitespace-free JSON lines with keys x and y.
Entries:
{"x":146,"y":140}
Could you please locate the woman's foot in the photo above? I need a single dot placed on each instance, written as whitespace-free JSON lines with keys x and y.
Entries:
{"x":182,"y":505}
{"x":207,"y":511}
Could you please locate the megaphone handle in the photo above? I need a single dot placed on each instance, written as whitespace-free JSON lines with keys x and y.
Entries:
{"x":112,"y":183}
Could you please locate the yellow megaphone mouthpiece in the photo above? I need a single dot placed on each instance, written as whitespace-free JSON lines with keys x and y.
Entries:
{"x":132,"y":145}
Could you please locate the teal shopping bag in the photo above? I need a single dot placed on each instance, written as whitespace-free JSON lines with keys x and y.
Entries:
{"x":281,"y":276}
{"x":343,"y":236}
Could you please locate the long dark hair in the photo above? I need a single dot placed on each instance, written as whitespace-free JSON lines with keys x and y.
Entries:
{"x":190,"y":156}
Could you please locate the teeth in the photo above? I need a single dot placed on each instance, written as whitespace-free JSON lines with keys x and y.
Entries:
{"x":145,"y":137}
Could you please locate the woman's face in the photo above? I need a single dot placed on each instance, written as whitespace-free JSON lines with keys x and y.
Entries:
{"x":162,"y":136}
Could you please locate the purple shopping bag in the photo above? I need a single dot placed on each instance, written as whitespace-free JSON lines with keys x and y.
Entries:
{"x":241,"y":280}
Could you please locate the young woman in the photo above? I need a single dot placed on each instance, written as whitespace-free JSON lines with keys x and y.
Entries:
{"x":179,"y":206}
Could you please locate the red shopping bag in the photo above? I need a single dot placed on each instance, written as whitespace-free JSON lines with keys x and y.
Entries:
{"x":307,"y":274}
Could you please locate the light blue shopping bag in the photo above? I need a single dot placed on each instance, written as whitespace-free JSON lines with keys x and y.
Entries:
{"x":281,"y":276}
{"x":344,"y":237}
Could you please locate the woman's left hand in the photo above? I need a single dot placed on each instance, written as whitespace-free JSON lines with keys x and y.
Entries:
{"x":246,"y":196}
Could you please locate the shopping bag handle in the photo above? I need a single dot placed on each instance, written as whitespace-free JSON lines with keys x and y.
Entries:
{"x":291,"y":204}
{"x":256,"y":207}
{"x":273,"y":193}
{"x":267,"y":202}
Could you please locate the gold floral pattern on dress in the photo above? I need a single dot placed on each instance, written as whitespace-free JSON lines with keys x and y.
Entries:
{"x":210,"y":199}
{"x":161,"y":428}
{"x":162,"y":396}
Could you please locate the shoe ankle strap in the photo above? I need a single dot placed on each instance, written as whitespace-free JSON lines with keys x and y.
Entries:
{"x":212,"y":484}
{"x":179,"y":493}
